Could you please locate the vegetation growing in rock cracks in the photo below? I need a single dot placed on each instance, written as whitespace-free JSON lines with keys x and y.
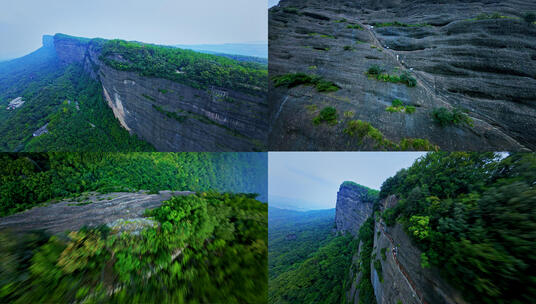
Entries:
{"x":295,"y":79}
{"x":379,"y":73}
{"x":206,"y":248}
{"x":364,"y":130}
{"x":473,"y":216}
{"x":398,"y":106}
{"x":445,"y":117}
{"x":327,"y":115}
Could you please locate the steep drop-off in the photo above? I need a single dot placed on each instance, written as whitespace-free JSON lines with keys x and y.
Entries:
{"x":396,"y":273}
{"x":353,"y":207}
{"x":474,"y":56}
{"x":171,"y":115}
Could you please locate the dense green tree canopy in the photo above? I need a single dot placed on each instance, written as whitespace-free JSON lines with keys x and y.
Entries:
{"x":189,"y":67}
{"x":27,"y":179}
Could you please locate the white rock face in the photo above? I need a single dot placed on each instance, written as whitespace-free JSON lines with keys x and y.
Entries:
{"x":15,"y":103}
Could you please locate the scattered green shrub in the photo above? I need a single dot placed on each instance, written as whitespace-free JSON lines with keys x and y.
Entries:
{"x":382,"y":251}
{"x":379,"y":73}
{"x":416,"y":144}
{"x":444,"y":117}
{"x":379,"y":270}
{"x":295,"y":79}
{"x":375,"y":70}
{"x":398,"y":106}
{"x":355,"y":26}
{"x":328,"y":115}
{"x":326,"y":86}
{"x":291,"y":10}
{"x":348,"y":48}
{"x":530,"y":17}
{"x":163,"y":91}
{"x":409,"y":80}
{"x":322,"y":35}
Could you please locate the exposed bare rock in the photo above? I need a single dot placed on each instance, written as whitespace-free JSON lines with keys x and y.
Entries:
{"x":94,"y":210}
{"x":354,"y":206}
{"x":485,"y":66}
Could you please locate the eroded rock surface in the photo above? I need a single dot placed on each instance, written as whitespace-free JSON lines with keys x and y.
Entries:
{"x":485,"y":66}
{"x":354,"y":206}
{"x":122,"y":210}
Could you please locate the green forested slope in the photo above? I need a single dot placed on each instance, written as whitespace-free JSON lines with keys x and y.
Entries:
{"x":473,"y":216}
{"x":70,"y":102}
{"x":195,"y":69}
{"x":307,"y":262}
{"x":27,"y":179}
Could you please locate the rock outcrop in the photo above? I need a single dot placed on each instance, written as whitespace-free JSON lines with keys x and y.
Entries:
{"x":121,"y":210}
{"x":354,"y":206}
{"x":477,"y":56}
{"x":148,"y":106}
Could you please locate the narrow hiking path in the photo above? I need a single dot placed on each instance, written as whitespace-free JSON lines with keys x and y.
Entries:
{"x":401,"y":267}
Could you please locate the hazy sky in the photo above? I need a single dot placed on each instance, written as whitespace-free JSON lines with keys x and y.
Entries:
{"x":315,"y":177}
{"x":272,"y":2}
{"x":23,"y":22}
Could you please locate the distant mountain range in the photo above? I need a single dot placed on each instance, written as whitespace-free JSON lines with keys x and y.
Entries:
{"x":254,"y":49}
{"x":293,"y":204}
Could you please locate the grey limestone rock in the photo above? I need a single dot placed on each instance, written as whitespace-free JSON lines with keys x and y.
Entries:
{"x":479,"y":64}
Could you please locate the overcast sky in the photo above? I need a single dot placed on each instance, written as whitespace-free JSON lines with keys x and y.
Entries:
{"x":272,"y":2}
{"x":23,"y":22}
{"x":312,"y":179}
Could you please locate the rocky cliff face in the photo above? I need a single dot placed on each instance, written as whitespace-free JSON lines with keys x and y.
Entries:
{"x":170,"y":115}
{"x":354,"y":206}
{"x":461,"y":54}
{"x":402,"y":276}
{"x":396,"y":271}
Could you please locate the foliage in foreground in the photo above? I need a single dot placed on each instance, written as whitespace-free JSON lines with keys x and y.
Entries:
{"x":473,"y":216}
{"x":206,"y":248}
{"x":27,"y":179}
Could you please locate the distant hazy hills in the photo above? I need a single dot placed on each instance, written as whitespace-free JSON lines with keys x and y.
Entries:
{"x":254,"y":49}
